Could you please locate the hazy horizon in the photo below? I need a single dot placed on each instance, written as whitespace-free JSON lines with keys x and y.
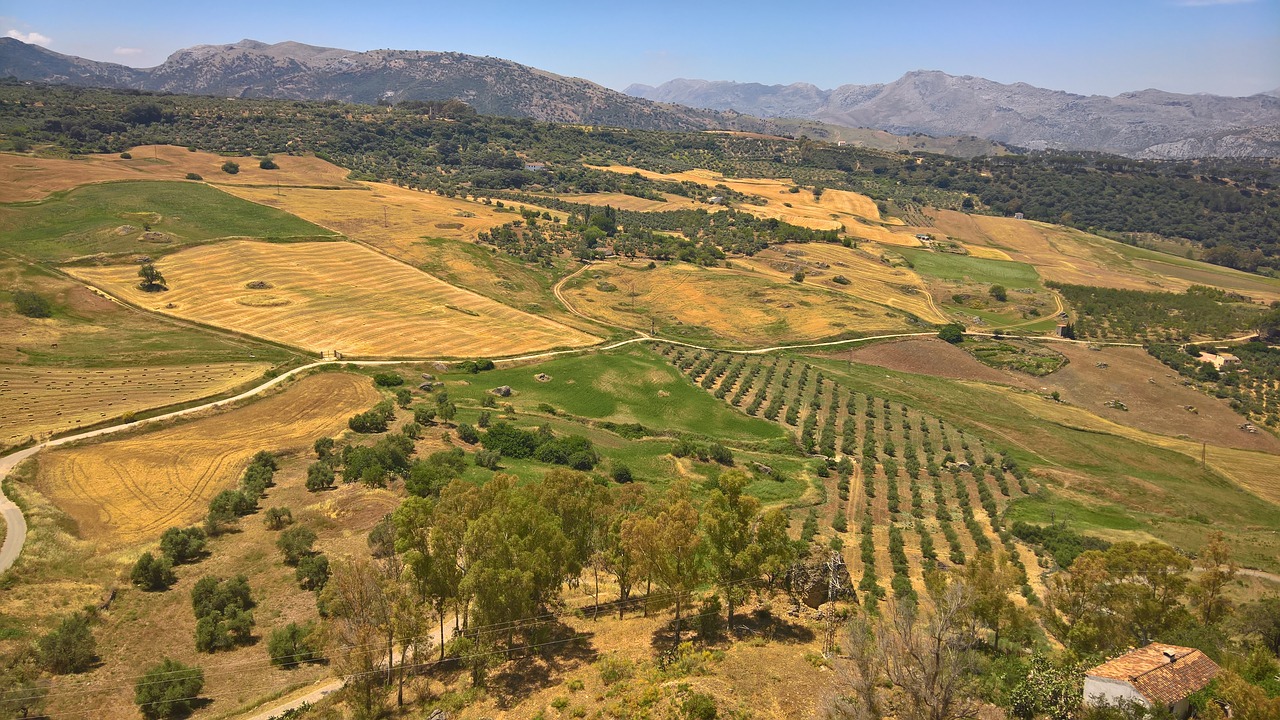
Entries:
{"x":1223,"y":47}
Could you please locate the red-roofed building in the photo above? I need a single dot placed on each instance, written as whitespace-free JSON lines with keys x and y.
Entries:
{"x":1153,"y":676}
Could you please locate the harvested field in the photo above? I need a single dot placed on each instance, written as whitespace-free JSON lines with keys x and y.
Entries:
{"x":334,"y":296}
{"x":869,"y":279}
{"x":38,"y":401}
{"x":622,"y":201}
{"x":25,"y":177}
{"x":723,"y":305}
{"x":926,"y":356}
{"x":391,"y":218}
{"x":130,"y":489}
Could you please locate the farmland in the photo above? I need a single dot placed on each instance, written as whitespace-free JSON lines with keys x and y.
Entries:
{"x":129,"y":489}
{"x":334,"y":296}
{"x":25,"y":178}
{"x":145,"y":217}
{"x":39,"y":401}
{"x":738,"y":307}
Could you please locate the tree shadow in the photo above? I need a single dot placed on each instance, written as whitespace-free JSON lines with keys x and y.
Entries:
{"x":559,"y":648}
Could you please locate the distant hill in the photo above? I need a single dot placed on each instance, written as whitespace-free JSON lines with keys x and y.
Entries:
{"x":493,"y":86}
{"x":1149,"y":124}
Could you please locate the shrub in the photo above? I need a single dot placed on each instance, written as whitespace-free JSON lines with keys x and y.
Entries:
{"x":230,"y":167}
{"x":31,"y":305}
{"x":488,"y":459}
{"x":150,"y":573}
{"x":296,"y":543}
{"x":468,"y":434}
{"x":126,"y":156}
{"x":267,"y":163}
{"x":312,"y":572}
{"x":320,"y":476}
{"x":293,"y":645}
{"x":621,"y":473}
{"x":699,"y":706}
{"x":387,"y":379}
{"x":278,"y":517}
{"x":168,"y":689}
{"x":952,"y":333}
{"x":324,"y":447}
{"x":222,"y":610}
{"x":614,"y":669}
{"x":68,"y":648}
{"x":182,"y":545}
{"x":194,"y":176}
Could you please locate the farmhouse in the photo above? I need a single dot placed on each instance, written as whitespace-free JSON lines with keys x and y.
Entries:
{"x":1153,"y":676}
{"x":1219,"y":360}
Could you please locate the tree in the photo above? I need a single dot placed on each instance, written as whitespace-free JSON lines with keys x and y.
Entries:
{"x":182,"y":545}
{"x":359,"y":618}
{"x":952,"y":333}
{"x":277,"y":518}
{"x":669,"y":546}
{"x":150,"y":573}
{"x":1218,"y":571}
{"x":733,"y":553}
{"x":925,"y":659}
{"x":991,"y":580}
{"x":25,"y":690}
{"x":1261,"y":619}
{"x":222,"y":611}
{"x":296,"y":543}
{"x":293,"y":645}
{"x":70,"y":647}
{"x":998,"y":293}
{"x":267,"y":163}
{"x":320,"y":476}
{"x":31,"y":305}
{"x":152,"y":279}
{"x":168,"y":689}
{"x":1050,"y":690}
{"x":230,"y":167}
{"x":312,"y":572}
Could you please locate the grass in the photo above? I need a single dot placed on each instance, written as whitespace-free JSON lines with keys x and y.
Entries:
{"x":334,"y":296}
{"x":86,"y":220}
{"x":950,"y":266}
{"x":628,"y":385}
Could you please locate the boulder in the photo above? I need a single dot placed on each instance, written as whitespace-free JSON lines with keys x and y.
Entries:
{"x":503,"y":391}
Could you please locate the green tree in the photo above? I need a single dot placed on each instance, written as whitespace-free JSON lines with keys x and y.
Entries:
{"x":952,"y":333}
{"x":230,"y":167}
{"x":1218,"y":571}
{"x":182,"y":545}
{"x":70,"y":647}
{"x":150,"y":573}
{"x":296,"y":543}
{"x":277,"y":518}
{"x":320,"y":476}
{"x":999,"y":293}
{"x":669,"y":546}
{"x":152,"y":279}
{"x":733,"y":552}
{"x":1048,"y":690}
{"x":267,"y":163}
{"x":991,"y":580}
{"x":312,"y":572}
{"x":168,"y":689}
{"x":25,"y":690}
{"x":293,"y":645}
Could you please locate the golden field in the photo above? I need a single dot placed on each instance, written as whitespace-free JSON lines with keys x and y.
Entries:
{"x":726,"y":305}
{"x":129,"y":489}
{"x":331,"y":296}
{"x":38,"y":401}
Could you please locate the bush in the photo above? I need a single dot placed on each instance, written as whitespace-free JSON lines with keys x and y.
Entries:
{"x":699,"y":706}
{"x":267,"y":163}
{"x":320,"y":476}
{"x":468,"y":434}
{"x":296,"y":543}
{"x":614,"y":669}
{"x":387,"y":379}
{"x":488,"y":459}
{"x":182,"y":545}
{"x":150,"y":573}
{"x":293,"y":645}
{"x":222,"y":610}
{"x":168,"y":689}
{"x":952,"y":333}
{"x":621,"y":473}
{"x":368,"y":422}
{"x":278,"y":517}
{"x":68,"y":648}
{"x":31,"y":305}
{"x":230,"y":167}
{"x":312,"y":572}
{"x":194,"y":176}
{"x":324,"y":447}
{"x":999,"y":293}
{"x":126,"y":156}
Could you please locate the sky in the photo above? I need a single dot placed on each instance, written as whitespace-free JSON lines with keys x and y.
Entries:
{"x":1225,"y":47}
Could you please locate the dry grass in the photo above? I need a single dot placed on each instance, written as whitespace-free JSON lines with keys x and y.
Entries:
{"x":719,"y":304}
{"x":334,"y":296}
{"x":38,"y":401}
{"x":869,"y":279}
{"x":31,"y":178}
{"x":623,"y":201}
{"x":391,"y":218}
{"x":130,"y":489}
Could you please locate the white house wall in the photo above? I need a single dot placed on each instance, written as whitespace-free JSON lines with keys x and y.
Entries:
{"x":1105,"y":691}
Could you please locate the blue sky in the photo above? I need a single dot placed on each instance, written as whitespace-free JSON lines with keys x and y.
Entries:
{"x":1229,"y":47}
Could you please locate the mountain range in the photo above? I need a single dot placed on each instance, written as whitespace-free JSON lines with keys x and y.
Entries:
{"x":1147,"y":124}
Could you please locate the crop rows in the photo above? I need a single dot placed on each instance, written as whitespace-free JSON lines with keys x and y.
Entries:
{"x":917,"y":491}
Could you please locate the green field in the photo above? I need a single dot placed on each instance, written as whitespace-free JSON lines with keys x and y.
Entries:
{"x":88,"y":220}
{"x":949,"y":266}
{"x":629,"y":385}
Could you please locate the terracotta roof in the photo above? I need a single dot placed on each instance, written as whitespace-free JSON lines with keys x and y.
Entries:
{"x":1161,"y":673}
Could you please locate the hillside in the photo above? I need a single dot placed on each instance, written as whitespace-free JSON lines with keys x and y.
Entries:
{"x":1149,"y":123}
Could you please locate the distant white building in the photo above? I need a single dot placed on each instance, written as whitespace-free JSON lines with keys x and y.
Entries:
{"x":1219,"y":360}
{"x":1153,"y":676}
